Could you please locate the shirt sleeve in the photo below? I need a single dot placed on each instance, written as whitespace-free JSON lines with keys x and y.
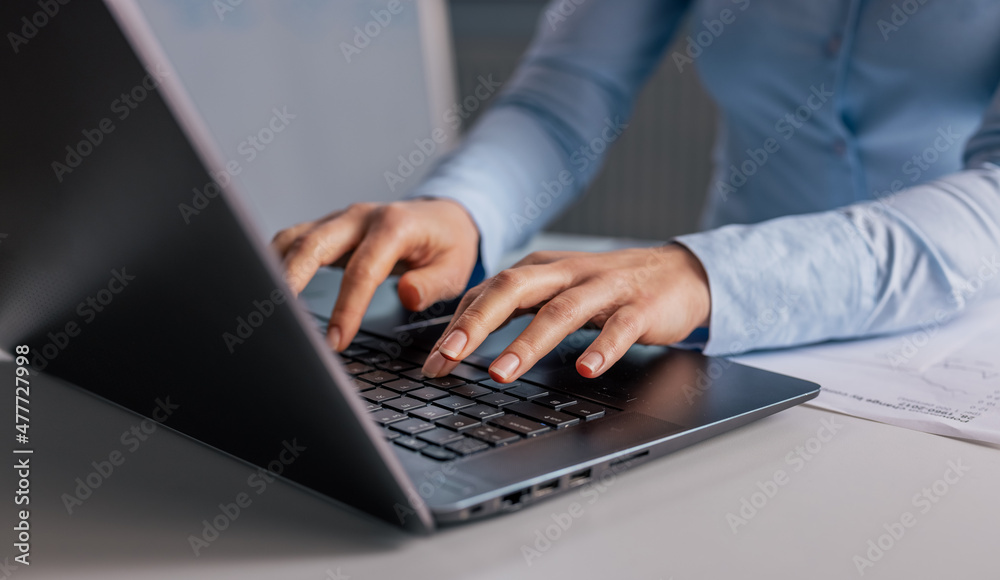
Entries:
{"x":909,"y":260}
{"x":545,"y":136}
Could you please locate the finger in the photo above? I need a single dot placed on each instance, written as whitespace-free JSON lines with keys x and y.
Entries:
{"x":320,"y":246}
{"x":283,"y":239}
{"x":444,"y":278}
{"x":469,"y":297}
{"x":562,"y":315}
{"x":544,"y":257}
{"x":623,"y":329}
{"x":503,"y":294}
{"x":371,"y":264}
{"x":436,"y":365}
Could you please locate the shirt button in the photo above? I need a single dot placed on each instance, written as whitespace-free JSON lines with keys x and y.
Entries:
{"x":839,"y":147}
{"x":833,"y":45}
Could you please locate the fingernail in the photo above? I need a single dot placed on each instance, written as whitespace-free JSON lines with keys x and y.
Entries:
{"x":433,"y":365}
{"x":505,"y":366}
{"x":592,"y":360}
{"x":453,"y":345}
{"x":333,"y":337}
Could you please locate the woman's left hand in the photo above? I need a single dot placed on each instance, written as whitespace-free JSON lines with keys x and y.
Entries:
{"x":644,"y":295}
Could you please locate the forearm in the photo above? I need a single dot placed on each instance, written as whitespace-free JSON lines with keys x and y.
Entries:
{"x":544,"y":138}
{"x":913,"y":258}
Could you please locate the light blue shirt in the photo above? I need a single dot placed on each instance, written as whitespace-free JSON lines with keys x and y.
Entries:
{"x":856,"y":188}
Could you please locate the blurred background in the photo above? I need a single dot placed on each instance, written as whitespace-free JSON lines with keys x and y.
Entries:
{"x":367,"y":87}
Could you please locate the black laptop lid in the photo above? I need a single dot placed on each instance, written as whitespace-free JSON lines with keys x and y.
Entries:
{"x":118,"y":287}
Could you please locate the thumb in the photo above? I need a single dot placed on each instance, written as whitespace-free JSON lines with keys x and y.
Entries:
{"x":442,"y":279}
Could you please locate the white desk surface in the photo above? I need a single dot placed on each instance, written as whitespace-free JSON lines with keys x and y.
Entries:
{"x":666,"y":519}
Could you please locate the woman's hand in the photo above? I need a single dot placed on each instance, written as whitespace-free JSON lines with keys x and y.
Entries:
{"x":434,"y":241}
{"x":649,"y":295}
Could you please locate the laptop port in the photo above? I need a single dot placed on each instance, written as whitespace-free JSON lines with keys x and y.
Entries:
{"x":544,"y":489}
{"x":579,"y":478}
{"x":629,"y":458}
{"x":513,"y":499}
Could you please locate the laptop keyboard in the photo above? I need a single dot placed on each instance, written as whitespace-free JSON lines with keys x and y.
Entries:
{"x":461,"y":414}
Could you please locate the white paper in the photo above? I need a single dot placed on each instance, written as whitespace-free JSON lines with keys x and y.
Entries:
{"x":943,"y":378}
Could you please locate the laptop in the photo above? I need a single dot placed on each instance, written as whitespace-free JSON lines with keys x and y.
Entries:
{"x":130,"y":269}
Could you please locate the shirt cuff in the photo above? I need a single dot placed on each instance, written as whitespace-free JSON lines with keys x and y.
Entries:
{"x":785,"y":282}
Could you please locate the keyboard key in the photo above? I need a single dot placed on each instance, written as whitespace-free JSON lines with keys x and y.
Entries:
{"x":378,"y":376}
{"x":585,"y":410}
{"x":362,"y":385}
{"x":439,"y":436}
{"x":555,"y":401}
{"x":458,"y":422}
{"x":373,"y":357}
{"x":467,"y":446}
{"x":379,"y":395}
{"x":403,"y":385}
{"x":448,"y":382}
{"x":430,"y":413}
{"x":520,"y":425}
{"x":541,"y":414}
{"x":497,"y":399}
{"x":412,"y":426}
{"x":404,"y":404}
{"x":413,"y":356}
{"x":369,"y":406}
{"x":357,"y":368}
{"x":469,"y":373}
{"x":500,"y":386}
{"x":427,"y":393}
{"x":493,"y":435}
{"x":525,"y":391}
{"x":387,"y":416}
{"x":471,"y":391}
{"x":454,"y":403}
{"x":354,"y":350}
{"x":410,"y":443}
{"x":390,"y":435}
{"x":481,"y":412}
{"x":437,"y":453}
{"x":415,"y":374}
{"x":395,"y":365}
